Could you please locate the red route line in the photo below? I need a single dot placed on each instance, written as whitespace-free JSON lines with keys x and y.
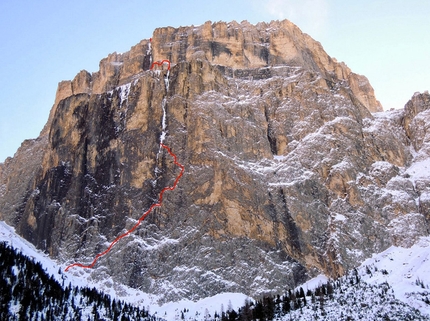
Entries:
{"x":160,"y":199}
{"x":160,"y":63}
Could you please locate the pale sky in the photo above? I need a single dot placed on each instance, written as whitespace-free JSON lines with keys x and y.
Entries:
{"x":46,"y":41}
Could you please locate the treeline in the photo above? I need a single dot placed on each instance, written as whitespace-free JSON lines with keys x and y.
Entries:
{"x":275,"y":307}
{"x":347,"y":298}
{"x":28,"y":293}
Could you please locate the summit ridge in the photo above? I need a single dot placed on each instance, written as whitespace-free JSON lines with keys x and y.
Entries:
{"x":293,"y":169}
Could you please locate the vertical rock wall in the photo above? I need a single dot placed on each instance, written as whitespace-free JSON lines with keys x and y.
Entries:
{"x":287,"y":171}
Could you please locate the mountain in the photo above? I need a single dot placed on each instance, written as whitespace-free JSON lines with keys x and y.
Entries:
{"x":291,"y":169}
{"x":396,"y":279}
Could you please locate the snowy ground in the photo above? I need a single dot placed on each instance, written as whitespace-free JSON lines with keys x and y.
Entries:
{"x":81,"y":278}
{"x":407,"y":270}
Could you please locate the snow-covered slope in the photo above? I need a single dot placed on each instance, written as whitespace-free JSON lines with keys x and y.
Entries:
{"x":8,"y":235}
{"x":168,"y":311}
{"x":405,"y":270}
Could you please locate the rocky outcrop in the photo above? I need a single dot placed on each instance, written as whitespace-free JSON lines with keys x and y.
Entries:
{"x":234,"y":45}
{"x":416,"y":122}
{"x":287,"y":171}
{"x":244,"y":46}
{"x":417,"y":128}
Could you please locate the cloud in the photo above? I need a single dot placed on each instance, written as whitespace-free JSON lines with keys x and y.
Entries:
{"x":309,"y":15}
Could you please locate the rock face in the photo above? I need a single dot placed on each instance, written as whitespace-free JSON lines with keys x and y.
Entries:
{"x":287,"y":171}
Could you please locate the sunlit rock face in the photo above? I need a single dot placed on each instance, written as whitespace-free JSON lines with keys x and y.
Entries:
{"x":288,"y":170}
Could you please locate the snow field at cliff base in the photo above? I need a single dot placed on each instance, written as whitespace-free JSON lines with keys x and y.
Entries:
{"x":406,"y":270}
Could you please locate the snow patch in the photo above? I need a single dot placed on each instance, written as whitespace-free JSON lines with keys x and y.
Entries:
{"x":198,"y":310}
{"x":419,"y":169}
{"x":313,"y":283}
{"x":124,"y":91}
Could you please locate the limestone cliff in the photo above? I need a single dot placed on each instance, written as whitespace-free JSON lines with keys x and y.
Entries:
{"x":287,"y":171}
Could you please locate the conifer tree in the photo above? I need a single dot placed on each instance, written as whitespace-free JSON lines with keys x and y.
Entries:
{"x":301,"y":293}
{"x":286,"y":305}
